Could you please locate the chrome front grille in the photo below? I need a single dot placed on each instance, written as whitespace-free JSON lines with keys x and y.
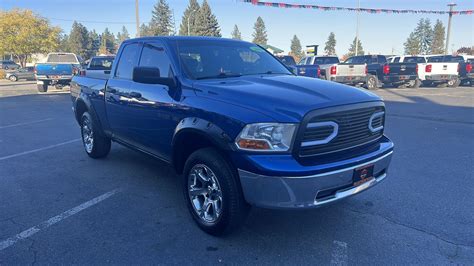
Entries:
{"x":354,"y":127}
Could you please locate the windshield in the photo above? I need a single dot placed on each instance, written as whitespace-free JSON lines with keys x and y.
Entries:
{"x":62,"y":58}
{"x":101,"y":63}
{"x":220,"y":59}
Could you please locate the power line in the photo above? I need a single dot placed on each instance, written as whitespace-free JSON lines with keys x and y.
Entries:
{"x":94,"y":21}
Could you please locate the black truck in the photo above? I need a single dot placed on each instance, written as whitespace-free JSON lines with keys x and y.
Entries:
{"x":403,"y":73}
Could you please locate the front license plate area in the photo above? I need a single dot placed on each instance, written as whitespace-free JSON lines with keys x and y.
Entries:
{"x":55,"y":77}
{"x":362,"y":175}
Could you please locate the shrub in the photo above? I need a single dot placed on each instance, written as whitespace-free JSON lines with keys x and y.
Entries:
{"x":2,"y":74}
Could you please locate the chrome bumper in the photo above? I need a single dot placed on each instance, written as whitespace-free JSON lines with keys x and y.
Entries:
{"x":299,"y":192}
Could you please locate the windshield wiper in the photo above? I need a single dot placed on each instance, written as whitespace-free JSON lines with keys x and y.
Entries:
{"x":222,"y":75}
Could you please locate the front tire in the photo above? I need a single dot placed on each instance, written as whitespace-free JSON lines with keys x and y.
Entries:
{"x":42,"y":87}
{"x":454,"y":83}
{"x":95,"y":144}
{"x":213,"y":193}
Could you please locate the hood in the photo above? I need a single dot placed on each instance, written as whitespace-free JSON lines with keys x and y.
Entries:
{"x":284,"y":98}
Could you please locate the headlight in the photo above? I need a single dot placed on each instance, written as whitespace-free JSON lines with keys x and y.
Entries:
{"x":266,"y":137}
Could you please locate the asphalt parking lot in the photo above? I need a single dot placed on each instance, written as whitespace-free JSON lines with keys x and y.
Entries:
{"x":57,"y":206}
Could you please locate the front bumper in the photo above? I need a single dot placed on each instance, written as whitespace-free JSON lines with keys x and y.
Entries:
{"x":309,"y":191}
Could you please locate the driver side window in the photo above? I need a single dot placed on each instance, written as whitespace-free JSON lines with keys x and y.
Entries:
{"x":154,"y":55}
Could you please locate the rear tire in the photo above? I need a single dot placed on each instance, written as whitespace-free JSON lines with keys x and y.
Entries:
{"x":416,"y":84}
{"x":42,"y":87}
{"x":211,"y":180}
{"x":13,"y":78}
{"x":454,"y":83}
{"x":372,"y":82}
{"x":95,"y":144}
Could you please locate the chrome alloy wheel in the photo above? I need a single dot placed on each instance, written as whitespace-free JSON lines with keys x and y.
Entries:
{"x":87,"y":134}
{"x":205,"y":193}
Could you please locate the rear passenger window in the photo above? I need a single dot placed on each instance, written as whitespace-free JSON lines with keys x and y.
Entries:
{"x":396,"y":60}
{"x":127,"y":61}
{"x":153,"y":55}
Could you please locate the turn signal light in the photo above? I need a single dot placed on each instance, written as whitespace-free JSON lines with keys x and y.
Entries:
{"x":386,"y":69}
{"x":319,"y":72}
{"x":253,"y":144}
{"x":468,"y":68}
{"x":333,"y":70}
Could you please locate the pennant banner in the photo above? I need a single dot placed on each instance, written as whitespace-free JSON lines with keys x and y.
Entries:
{"x":367,"y":10}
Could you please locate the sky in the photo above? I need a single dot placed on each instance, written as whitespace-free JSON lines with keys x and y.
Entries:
{"x":379,"y":33}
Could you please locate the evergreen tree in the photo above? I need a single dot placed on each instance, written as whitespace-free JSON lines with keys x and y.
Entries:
{"x":63,"y":43}
{"x":78,"y":39}
{"x":437,"y":45}
{"x":189,"y":18}
{"x":420,"y":40}
{"x":352,"y":48}
{"x":296,"y":50}
{"x":107,"y":42}
{"x":206,"y":23}
{"x":330,"y":47}
{"x":161,"y":23}
{"x":260,"y":32}
{"x":94,"y":44}
{"x":123,"y":35}
{"x":236,"y":35}
{"x":145,"y":30}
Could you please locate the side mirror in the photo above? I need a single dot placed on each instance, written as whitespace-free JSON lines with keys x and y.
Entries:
{"x":151,"y":75}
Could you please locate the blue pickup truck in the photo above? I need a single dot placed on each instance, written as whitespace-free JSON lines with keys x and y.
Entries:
{"x":57,"y":70}
{"x":236,"y":125}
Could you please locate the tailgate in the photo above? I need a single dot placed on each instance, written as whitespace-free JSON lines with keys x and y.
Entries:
{"x":307,"y":71}
{"x":402,"y":69}
{"x":444,"y":68}
{"x":349,"y":70}
{"x":54,"y":69}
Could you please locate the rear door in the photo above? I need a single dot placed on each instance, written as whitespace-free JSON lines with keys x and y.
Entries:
{"x":117,"y":94}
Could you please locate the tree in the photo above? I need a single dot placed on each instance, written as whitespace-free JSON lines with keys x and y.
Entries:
{"x":466,"y":50}
{"x":260,"y":32}
{"x":330,"y":48}
{"x":206,"y":23}
{"x":63,"y":43}
{"x":161,"y":23}
{"x":94,"y":44}
{"x":296,"y":50}
{"x":78,"y":39}
{"x":189,"y":19}
{"x":236,"y":35}
{"x":352,"y":48}
{"x":437,"y":45}
{"x":145,"y":30}
{"x":107,"y":42}
{"x":419,"y":41}
{"x":23,"y":33}
{"x":123,"y":35}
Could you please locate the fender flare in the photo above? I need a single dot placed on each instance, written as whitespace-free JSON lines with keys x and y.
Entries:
{"x":83,"y":99}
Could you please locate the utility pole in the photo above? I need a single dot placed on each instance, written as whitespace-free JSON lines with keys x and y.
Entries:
{"x":357,"y":28}
{"x":137,"y":18}
{"x":190,"y":13}
{"x":451,"y":8}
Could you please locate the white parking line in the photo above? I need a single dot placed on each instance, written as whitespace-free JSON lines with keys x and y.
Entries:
{"x":339,"y":253}
{"x":37,"y":150}
{"x":26,"y":123}
{"x":56,"y":219}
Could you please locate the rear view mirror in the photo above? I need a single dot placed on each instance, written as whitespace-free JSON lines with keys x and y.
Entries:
{"x":151,"y":75}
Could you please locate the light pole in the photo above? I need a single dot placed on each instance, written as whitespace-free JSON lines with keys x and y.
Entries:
{"x":137,"y":18}
{"x":451,"y":7}
{"x":190,"y":12}
{"x":357,"y":28}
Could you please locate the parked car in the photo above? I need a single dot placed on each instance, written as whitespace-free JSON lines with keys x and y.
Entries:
{"x":402,"y":71}
{"x":316,"y":66}
{"x":441,"y":70}
{"x":21,"y":73}
{"x":57,"y":71}
{"x":466,"y":74}
{"x":365,"y":70}
{"x":99,"y":66}
{"x":236,"y":124}
{"x":8,"y":64}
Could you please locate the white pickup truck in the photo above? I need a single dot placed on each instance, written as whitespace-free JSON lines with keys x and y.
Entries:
{"x":440,"y":70}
